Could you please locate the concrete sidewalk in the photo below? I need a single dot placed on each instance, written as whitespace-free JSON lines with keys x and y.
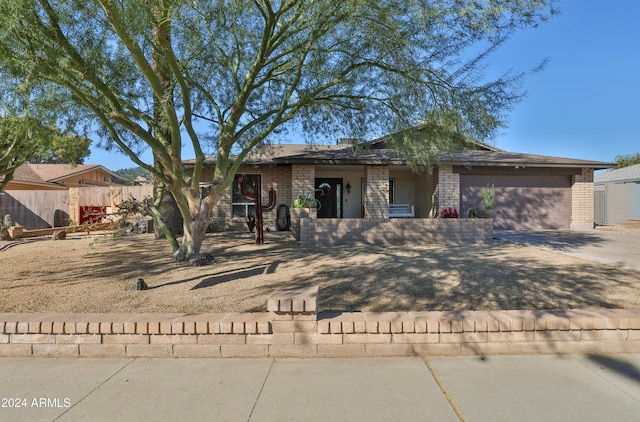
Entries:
{"x":606,"y":247}
{"x":494,"y":388}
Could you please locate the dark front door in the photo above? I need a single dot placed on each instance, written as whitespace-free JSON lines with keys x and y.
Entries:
{"x":329,"y":194}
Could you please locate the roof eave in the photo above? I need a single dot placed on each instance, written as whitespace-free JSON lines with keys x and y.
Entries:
{"x":86,"y":170}
{"x":343,"y":161}
{"x":48,"y":185}
{"x":585,"y":164}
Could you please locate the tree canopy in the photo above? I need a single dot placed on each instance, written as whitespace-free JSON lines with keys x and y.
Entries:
{"x":142,"y":73}
{"x":134,"y":175}
{"x":27,"y":140}
{"x":627,"y":160}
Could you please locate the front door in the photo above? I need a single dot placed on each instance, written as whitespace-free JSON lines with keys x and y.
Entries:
{"x":329,"y":195}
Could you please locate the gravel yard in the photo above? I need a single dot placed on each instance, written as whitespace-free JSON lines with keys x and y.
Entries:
{"x":87,"y":273}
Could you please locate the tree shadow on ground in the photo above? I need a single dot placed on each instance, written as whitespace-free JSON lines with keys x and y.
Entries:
{"x":454,"y":278}
{"x":560,"y":240}
{"x":351,"y":278}
{"x":617,"y":365}
{"x":236,"y":275}
{"x":466,"y":278}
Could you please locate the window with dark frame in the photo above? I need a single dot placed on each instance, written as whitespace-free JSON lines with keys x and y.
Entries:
{"x":242,"y":208}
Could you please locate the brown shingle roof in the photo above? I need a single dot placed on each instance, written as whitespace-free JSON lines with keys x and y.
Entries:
{"x":504,"y":158}
{"x":51,"y":174}
{"x":485,"y":155}
{"x":465,"y":158}
{"x":269,"y":154}
{"x":344,"y":156}
{"x":54,"y":172}
{"x":25,"y":175}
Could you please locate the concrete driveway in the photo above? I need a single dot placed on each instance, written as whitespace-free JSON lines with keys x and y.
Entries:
{"x":608,"y":247}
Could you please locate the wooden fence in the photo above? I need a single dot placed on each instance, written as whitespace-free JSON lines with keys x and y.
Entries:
{"x":39,"y":209}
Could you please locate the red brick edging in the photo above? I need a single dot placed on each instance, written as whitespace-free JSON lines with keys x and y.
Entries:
{"x":292,"y":328}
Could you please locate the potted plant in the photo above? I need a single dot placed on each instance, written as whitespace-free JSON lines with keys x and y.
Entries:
{"x":488,"y":197}
{"x":305,"y":201}
{"x":304,"y":206}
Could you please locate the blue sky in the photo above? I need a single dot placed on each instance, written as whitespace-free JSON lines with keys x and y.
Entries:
{"x":584,"y":104}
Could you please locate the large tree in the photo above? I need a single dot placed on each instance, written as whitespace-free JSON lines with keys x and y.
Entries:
{"x":626,"y":160}
{"x":143,"y":71}
{"x":26,"y":140}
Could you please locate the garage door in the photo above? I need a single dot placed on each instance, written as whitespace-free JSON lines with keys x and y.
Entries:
{"x":522,"y":201}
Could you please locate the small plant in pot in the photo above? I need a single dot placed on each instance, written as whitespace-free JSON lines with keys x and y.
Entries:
{"x":305,"y":201}
{"x":488,"y":196}
{"x":304,"y":206}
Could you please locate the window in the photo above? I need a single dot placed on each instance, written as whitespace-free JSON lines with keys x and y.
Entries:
{"x":241,"y":207}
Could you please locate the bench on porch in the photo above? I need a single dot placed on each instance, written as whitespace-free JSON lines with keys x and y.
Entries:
{"x":401,"y":210}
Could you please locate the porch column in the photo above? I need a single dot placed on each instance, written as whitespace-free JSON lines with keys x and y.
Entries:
{"x":582,"y":200}
{"x":376,"y":197}
{"x":303,"y":179}
{"x":448,"y":189}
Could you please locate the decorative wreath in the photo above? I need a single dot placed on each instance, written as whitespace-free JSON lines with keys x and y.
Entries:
{"x":324,"y":189}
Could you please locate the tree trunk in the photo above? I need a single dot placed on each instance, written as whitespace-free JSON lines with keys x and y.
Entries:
{"x":168,"y":208}
{"x":193,"y":238}
{"x":171,"y":216}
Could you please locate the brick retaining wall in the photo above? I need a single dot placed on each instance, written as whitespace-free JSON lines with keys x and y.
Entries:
{"x":293,"y":328}
{"x":397,"y":231}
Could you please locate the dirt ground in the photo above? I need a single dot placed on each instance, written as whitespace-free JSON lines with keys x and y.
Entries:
{"x":87,"y":273}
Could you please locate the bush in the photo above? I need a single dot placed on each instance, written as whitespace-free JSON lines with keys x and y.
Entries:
{"x":449,"y":213}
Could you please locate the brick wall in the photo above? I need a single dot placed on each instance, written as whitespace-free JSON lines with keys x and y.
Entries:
{"x":376,"y":198}
{"x":295,"y":328}
{"x":297,"y":216}
{"x":582,"y":200}
{"x":400,"y":231}
{"x":448,"y":188}
{"x":278,"y":178}
{"x":303,"y":179}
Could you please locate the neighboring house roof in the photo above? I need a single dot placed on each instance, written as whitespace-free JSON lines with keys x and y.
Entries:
{"x":26,"y":174}
{"x":52,"y":176}
{"x":59,"y":172}
{"x":27,"y":177}
{"x":630,"y":174}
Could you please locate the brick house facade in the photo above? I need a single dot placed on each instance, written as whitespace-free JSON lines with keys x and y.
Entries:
{"x":532,"y":191}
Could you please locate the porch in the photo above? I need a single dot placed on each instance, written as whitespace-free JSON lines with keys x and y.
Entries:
{"x":369,"y":191}
{"x":358,"y":213}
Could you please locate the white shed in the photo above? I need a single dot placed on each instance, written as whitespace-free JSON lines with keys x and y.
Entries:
{"x":617,"y":195}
